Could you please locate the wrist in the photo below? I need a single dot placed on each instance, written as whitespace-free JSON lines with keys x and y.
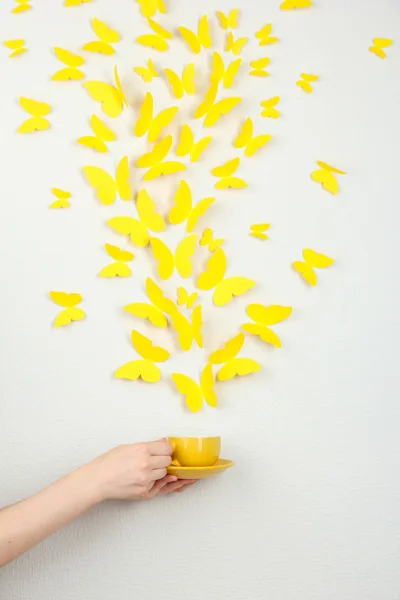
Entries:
{"x":88,"y":486}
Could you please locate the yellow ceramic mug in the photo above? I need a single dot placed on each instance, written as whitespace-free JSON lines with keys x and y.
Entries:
{"x":195,"y":451}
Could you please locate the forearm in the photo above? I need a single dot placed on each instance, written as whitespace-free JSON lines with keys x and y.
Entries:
{"x":27,"y":523}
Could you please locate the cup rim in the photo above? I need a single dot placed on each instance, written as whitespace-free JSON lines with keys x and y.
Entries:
{"x":195,"y":437}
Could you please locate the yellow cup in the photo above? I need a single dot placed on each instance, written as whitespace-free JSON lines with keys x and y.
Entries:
{"x":195,"y":451}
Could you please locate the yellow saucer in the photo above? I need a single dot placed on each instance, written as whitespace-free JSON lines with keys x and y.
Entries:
{"x":200,"y":472}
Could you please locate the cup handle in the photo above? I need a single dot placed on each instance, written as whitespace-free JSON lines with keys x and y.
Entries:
{"x":174,"y":463}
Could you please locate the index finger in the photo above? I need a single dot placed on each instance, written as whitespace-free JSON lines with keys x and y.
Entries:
{"x":160,"y":448}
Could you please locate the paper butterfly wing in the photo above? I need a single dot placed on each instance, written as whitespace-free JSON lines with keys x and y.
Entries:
{"x":122,"y":179}
{"x":191,"y":39}
{"x":207,"y":386}
{"x":175,"y":83}
{"x":152,"y":40}
{"x":214,"y":272}
{"x":306,"y":271}
{"x":111,"y":102}
{"x":117,"y":269}
{"x":229,"y":351}
{"x":132,"y":227}
{"x":164,"y":257}
{"x":186,"y":141}
{"x":134,"y":369}
{"x":183,"y":255}
{"x":233,"y":286}
{"x":238,"y":366}
{"x":147,"y":212}
{"x":66,"y":316}
{"x":317,"y":260}
{"x":146,"y":115}
{"x":245,"y":135}
{"x":190,"y":389}
{"x":146,"y":349}
{"x":146,"y":311}
{"x":103,"y":183}
{"x":268,"y":315}
{"x":198,"y":211}
{"x":65,"y":300}
{"x":183,"y":204}
{"x":327,"y":179}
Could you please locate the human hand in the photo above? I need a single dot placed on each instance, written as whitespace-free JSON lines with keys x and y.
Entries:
{"x":135,"y":472}
{"x":168,"y":484}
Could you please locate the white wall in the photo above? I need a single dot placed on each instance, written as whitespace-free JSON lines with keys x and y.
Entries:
{"x":311,"y":509}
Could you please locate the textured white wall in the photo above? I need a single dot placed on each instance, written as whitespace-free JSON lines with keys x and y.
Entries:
{"x":311,"y":509}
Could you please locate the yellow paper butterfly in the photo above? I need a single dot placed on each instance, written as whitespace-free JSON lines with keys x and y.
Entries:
{"x":235,"y":46}
{"x":119,"y":268}
{"x":186,"y":299}
{"x":189,"y":332}
{"x":325,"y":176}
{"x":228,"y":21}
{"x":76,"y":2}
{"x":258,"y":67}
{"x":264,"y":36}
{"x":70,"y":312}
{"x":263,"y":317}
{"x":292,"y":4}
{"x":101,"y":135}
{"x":207,"y":239}
{"x":193,"y":392}
{"x":304,"y":82}
{"x":154,"y":158}
{"x":112,"y":98}
{"x":269,"y":108}
{"x":231,"y":348}
{"x":219,"y":73}
{"x":181,"y":260}
{"x":146,"y":349}
{"x":135,"y":369}
{"x":259,"y":229}
{"x":168,"y":167}
{"x":38,"y":110}
{"x":147,"y":73}
{"x":153,"y":126}
{"x":213,"y":111}
{"x":23,"y":5}
{"x":156,"y":155}
{"x":106,"y":35}
{"x":106,"y":186}
{"x":17,"y":47}
{"x":187,"y":145}
{"x":145,"y":368}
{"x":62,"y":199}
{"x":246,"y":140}
{"x":208,"y":102}
{"x":225,"y":172}
{"x":73,"y":61}
{"x":202,"y":39}
{"x":312,"y":260}
{"x":238,"y":367}
{"x":378,"y":45}
{"x":213,"y":277}
{"x":233,"y":366}
{"x":186,"y":84}
{"x":137,"y":229}
{"x":156,"y":40}
{"x":149,"y":8}
{"x":156,"y":311}
{"x":183,"y":207}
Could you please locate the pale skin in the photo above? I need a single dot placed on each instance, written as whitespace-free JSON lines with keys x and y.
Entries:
{"x":130,"y":472}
